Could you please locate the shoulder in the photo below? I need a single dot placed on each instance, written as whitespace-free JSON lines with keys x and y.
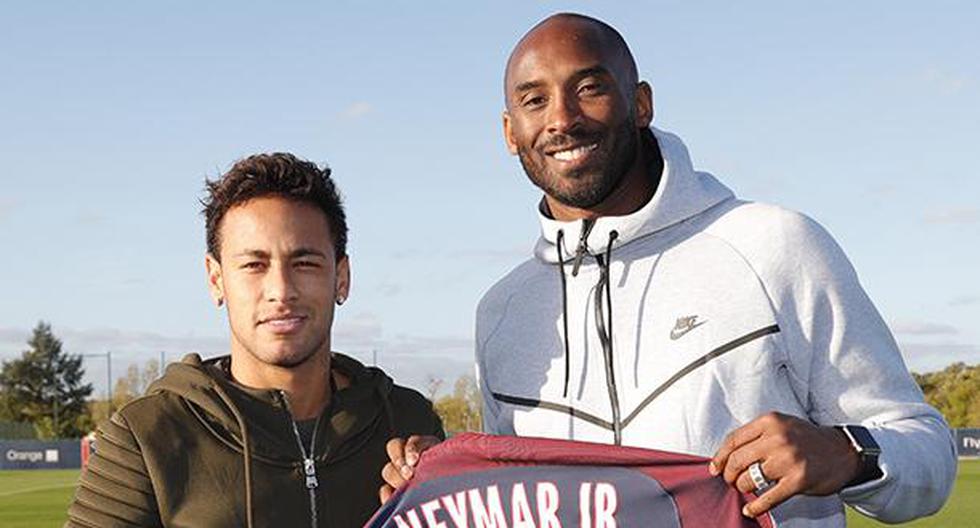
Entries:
{"x":776,"y":241}
{"x":413,"y":412}
{"x":407,"y":399}
{"x":494,"y":302}
{"x":509,"y":284}
{"x":146,"y":414}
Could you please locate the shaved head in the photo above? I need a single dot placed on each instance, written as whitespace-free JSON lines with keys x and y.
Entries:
{"x":564,"y":29}
{"x":576,"y":116}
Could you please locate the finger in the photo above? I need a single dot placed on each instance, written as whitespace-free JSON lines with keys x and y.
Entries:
{"x":772,"y":497}
{"x":738,"y":461}
{"x":733,"y":441}
{"x":392,"y":475}
{"x":396,"y":449}
{"x":384,"y":493}
{"x":396,"y":453}
{"x":745,"y":484}
{"x":415,"y":446}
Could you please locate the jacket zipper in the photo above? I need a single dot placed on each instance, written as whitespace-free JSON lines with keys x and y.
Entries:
{"x":583,"y":247}
{"x":309,"y":465}
{"x":607,"y":351}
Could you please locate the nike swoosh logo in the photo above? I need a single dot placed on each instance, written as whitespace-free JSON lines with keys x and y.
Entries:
{"x":679,"y":331}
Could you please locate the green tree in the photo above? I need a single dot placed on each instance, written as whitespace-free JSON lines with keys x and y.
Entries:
{"x":130,"y":386}
{"x":955,"y":392}
{"x":44,"y":387}
{"x":135,"y":382}
{"x":460,"y":412}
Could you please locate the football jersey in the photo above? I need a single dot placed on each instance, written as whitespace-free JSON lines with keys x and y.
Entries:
{"x":485,"y":481}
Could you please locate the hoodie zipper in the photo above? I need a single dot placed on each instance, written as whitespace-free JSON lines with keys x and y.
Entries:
{"x":583,"y":245}
{"x":309,"y":465}
{"x":602,"y":329}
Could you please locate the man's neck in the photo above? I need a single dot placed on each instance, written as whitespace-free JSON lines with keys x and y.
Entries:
{"x":633,"y":192}
{"x":307,"y":386}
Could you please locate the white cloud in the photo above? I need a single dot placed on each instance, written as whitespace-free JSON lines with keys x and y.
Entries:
{"x":6,"y":208}
{"x":413,"y":360}
{"x":511,"y":254}
{"x":964,"y":300}
{"x":362,"y":330}
{"x":963,"y":215}
{"x":881,"y":190}
{"x":922,"y":328}
{"x":122,"y":343}
{"x":389,"y":289}
{"x":929,"y":357}
{"x":945,"y":82}
{"x":358,"y":109}
{"x":89,"y":218}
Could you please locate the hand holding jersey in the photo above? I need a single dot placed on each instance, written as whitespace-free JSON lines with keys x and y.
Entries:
{"x":793,"y":455}
{"x":403,"y":456}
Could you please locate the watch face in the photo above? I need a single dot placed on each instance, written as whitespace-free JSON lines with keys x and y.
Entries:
{"x":864,"y":439}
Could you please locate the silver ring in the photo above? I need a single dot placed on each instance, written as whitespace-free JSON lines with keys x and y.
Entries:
{"x":760,"y":480}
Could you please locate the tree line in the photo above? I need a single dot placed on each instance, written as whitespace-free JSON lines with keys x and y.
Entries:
{"x":42,"y":393}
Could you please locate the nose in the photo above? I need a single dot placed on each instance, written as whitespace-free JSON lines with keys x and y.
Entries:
{"x":279,"y":285}
{"x":565,"y":114}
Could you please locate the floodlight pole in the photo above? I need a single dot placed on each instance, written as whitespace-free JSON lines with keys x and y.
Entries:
{"x":108,"y":374}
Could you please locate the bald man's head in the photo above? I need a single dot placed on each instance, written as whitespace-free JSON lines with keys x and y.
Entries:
{"x":576,"y":113}
{"x":572,"y":29}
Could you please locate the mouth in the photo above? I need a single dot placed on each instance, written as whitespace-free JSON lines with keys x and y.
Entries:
{"x":283,"y":324}
{"x":573,"y":154}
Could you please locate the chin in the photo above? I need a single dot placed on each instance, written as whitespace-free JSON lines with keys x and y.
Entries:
{"x":288,"y":356}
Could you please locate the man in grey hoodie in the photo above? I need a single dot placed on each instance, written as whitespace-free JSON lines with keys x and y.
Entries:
{"x":661,"y":311}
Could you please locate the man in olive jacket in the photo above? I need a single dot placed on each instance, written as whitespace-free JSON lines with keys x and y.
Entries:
{"x":283,"y":432}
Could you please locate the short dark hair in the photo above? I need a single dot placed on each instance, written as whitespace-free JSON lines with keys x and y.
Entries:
{"x":277,"y":174}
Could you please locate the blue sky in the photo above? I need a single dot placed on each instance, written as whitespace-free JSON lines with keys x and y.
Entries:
{"x":865,"y":117}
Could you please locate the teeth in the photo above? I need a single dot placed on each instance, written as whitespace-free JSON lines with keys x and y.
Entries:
{"x":575,"y":153}
{"x":283,"y":321}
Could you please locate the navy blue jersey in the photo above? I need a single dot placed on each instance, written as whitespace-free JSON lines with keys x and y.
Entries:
{"x":486,"y":481}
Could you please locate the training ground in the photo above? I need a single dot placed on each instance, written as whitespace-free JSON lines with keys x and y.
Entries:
{"x":39,"y":498}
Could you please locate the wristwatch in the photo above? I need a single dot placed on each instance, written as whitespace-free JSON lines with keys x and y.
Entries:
{"x":867,"y":450}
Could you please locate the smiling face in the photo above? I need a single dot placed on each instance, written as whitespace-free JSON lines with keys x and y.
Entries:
{"x":279,"y":278}
{"x":575,"y":111}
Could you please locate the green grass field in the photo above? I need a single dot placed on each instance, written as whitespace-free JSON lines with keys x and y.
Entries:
{"x":30,"y":499}
{"x":962,"y":509}
{"x":36,"y":499}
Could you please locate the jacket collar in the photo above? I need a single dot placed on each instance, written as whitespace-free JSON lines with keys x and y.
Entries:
{"x":353,"y":410}
{"x":681,"y":194}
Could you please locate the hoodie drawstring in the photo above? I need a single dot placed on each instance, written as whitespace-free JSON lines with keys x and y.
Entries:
{"x":246,"y":451}
{"x":564,"y":304}
{"x":604,"y":321}
{"x":604,"y":325}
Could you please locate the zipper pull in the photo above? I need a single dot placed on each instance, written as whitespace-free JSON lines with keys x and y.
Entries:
{"x":582,"y":248}
{"x":309,"y":468}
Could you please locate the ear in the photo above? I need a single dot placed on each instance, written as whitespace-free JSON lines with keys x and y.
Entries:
{"x":216,"y":286}
{"x":509,"y":134}
{"x":343,"y":279}
{"x":643,"y":102}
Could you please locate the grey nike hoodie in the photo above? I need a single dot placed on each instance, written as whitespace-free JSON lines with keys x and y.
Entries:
{"x":669,"y":327}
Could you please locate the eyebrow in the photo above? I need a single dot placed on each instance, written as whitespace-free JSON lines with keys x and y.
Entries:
{"x":588,"y":72}
{"x":296,"y":253}
{"x":527,"y":85}
{"x":585,"y":72}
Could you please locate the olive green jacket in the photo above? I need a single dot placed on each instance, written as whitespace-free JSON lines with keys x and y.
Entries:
{"x":200,"y":450}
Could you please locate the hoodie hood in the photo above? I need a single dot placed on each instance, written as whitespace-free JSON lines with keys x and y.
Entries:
{"x":681,"y":193}
{"x":221,"y":404}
